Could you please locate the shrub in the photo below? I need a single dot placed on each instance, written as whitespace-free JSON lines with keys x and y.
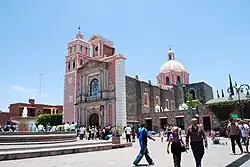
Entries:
{"x":49,"y":119}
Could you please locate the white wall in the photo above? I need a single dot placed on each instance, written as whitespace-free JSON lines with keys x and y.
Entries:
{"x":121,"y":116}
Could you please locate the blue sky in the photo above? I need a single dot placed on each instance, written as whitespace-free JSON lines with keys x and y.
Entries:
{"x":211,"y":38}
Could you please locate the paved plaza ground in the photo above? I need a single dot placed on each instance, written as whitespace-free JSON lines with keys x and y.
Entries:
{"x":216,"y":156}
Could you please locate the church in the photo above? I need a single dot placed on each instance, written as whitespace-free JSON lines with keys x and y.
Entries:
{"x":98,"y":92}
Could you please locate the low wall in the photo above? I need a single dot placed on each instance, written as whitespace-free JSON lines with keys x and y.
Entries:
{"x":29,"y":137}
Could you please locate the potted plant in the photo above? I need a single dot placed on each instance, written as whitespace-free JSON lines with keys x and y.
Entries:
{"x":116,"y":135}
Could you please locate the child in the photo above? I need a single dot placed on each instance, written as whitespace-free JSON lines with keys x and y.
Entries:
{"x":162,"y":135}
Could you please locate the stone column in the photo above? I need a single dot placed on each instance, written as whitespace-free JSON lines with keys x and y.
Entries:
{"x":101,"y":83}
{"x":83,"y":87}
{"x":99,"y":49}
{"x":86,"y":116}
{"x":105,"y":115}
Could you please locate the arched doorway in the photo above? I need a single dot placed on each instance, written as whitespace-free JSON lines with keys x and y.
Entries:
{"x":192,"y":92}
{"x":94,"y":120}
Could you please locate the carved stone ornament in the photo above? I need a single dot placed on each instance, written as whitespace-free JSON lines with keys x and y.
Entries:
{"x":111,"y":84}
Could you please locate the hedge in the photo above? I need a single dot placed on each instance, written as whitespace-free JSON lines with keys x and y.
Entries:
{"x":49,"y":119}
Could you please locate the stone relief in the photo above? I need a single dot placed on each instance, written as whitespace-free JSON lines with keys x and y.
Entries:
{"x":110,"y":84}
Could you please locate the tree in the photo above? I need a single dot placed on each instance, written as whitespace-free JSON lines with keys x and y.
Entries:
{"x":49,"y":119}
{"x":191,"y":102}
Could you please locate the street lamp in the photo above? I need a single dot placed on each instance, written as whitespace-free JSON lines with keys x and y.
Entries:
{"x":239,"y":90}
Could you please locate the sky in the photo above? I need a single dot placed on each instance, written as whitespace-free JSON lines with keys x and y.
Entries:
{"x":210,"y":38}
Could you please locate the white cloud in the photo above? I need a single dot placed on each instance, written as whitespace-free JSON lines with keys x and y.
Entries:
{"x":31,"y":93}
{"x":23,"y":89}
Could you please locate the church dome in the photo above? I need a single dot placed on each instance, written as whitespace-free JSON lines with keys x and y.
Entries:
{"x":172,"y":64}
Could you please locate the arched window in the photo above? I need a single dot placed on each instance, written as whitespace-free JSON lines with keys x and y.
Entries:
{"x":178,"y":79}
{"x":68,"y":65}
{"x":192,"y":92}
{"x":74,"y":64}
{"x":96,"y":48}
{"x":94,"y":87}
{"x":81,"y":62}
{"x":167,"y":81}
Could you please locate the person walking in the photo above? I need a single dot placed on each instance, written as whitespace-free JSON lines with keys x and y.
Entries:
{"x":244,"y":128}
{"x":82,"y":132}
{"x":176,"y":144}
{"x":162,"y":133}
{"x":128,"y":131}
{"x":133,"y":134}
{"x":234,"y":134}
{"x":143,"y":136}
{"x":197,"y":139}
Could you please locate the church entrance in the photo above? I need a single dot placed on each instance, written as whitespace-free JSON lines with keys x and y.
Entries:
{"x":94,"y":120}
{"x":207,"y":123}
{"x":163,"y":122}
{"x":148,"y":124}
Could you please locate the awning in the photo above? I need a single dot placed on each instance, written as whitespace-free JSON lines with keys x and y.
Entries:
{"x":163,"y":117}
{"x":148,"y":118}
{"x":179,"y":116}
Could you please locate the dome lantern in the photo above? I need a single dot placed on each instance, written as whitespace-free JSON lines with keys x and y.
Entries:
{"x":171,"y":54}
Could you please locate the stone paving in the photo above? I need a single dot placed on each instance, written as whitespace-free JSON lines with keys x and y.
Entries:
{"x":216,"y":156}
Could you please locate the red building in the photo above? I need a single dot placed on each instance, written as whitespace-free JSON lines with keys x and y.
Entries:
{"x":34,"y":109}
{"x":4,"y":117}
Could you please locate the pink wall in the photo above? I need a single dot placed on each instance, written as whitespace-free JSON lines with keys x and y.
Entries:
{"x":68,"y":107}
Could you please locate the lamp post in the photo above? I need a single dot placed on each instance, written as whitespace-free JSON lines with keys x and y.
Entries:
{"x":239,"y":90}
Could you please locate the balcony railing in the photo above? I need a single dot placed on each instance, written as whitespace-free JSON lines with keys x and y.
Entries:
{"x":86,"y":98}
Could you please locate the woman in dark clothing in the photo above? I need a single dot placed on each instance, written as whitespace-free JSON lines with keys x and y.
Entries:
{"x":133,"y":135}
{"x":176,"y":143}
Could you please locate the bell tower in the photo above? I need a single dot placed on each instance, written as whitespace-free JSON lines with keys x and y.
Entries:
{"x":78,"y":53}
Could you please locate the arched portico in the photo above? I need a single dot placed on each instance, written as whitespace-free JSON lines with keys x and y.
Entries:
{"x":94,"y":119}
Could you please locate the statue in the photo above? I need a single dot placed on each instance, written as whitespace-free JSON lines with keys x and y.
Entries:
{"x":25,"y":112}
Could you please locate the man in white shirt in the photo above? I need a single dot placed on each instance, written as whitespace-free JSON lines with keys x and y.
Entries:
{"x":128,"y":131}
{"x":244,"y":128}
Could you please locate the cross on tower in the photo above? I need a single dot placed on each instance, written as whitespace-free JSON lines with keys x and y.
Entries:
{"x":79,"y":28}
{"x":170,"y":46}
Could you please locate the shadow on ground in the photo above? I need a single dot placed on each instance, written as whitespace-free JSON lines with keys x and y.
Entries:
{"x":240,"y":161}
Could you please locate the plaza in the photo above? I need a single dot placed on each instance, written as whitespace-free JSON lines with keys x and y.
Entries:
{"x":215,"y":156}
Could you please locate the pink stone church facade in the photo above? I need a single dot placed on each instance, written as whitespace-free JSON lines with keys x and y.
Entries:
{"x":94,"y":86}
{"x":97,"y":91}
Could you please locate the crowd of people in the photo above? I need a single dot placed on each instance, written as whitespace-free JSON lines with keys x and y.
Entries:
{"x":238,"y":131}
{"x":195,"y":137}
{"x":94,"y":132}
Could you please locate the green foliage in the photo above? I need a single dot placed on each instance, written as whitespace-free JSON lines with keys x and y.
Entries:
{"x":191,"y":102}
{"x":231,"y":103}
{"x":223,"y":110}
{"x":49,"y":119}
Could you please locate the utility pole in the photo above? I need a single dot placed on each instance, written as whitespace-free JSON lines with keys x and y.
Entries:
{"x":40,"y":84}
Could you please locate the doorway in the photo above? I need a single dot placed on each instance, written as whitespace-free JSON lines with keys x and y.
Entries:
{"x":180,"y":123}
{"x":206,"y":123}
{"x":94,"y":120}
{"x":148,"y":124}
{"x":163,"y":122}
